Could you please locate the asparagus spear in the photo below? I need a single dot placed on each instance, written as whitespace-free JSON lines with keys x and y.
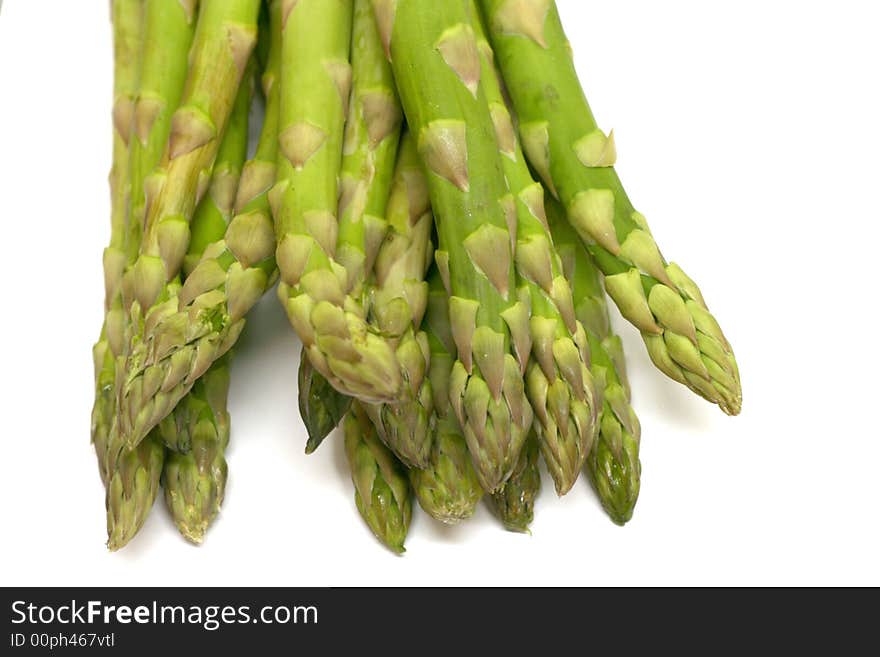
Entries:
{"x":127,"y":28}
{"x":575,"y":159}
{"x":370,"y":144}
{"x":398,"y":295}
{"x":234,"y":269}
{"x":195,"y":481}
{"x":133,"y":483}
{"x":515,"y":501}
{"x":329,"y":321}
{"x":447,"y":488}
{"x":437,"y":68}
{"x":382,"y":491}
{"x":558,"y":380}
{"x":157,"y":373}
{"x":131,"y":478}
{"x":197,"y":430}
{"x":168,"y":34}
{"x":613,"y":464}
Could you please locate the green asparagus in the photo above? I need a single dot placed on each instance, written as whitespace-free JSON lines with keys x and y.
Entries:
{"x":329,"y":321}
{"x":398,"y":295}
{"x":382,"y":491}
{"x":515,"y":501}
{"x":234,"y":269}
{"x":195,"y":481}
{"x":131,"y":477}
{"x":370,"y":145}
{"x":127,"y":29}
{"x":437,"y":69}
{"x":197,"y":430}
{"x":157,"y":373}
{"x":372,"y":132}
{"x":575,"y":160}
{"x":558,"y":380}
{"x":447,"y":488}
{"x":613,"y":464}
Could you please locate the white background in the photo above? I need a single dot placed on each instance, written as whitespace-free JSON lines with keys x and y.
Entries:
{"x":747,"y":132}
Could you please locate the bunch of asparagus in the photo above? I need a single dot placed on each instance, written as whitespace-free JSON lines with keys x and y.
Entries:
{"x":443,"y":218}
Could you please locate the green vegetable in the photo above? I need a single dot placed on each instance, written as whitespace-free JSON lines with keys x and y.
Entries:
{"x":131,"y":477}
{"x":369,"y":149}
{"x":398,"y":294}
{"x":228,"y":272}
{"x":168,"y":27}
{"x":127,"y":29}
{"x":437,"y":68}
{"x":197,"y":430}
{"x":381,"y":488}
{"x":558,"y":380}
{"x":447,"y":488}
{"x":575,"y":159}
{"x":613,"y":464}
{"x":195,"y":481}
{"x":515,"y":501}
{"x":313,"y":289}
{"x":158,"y":372}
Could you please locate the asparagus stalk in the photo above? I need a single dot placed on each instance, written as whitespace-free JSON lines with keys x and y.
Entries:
{"x":168,"y":34}
{"x":437,"y":68}
{"x":158,"y":372}
{"x":575,"y":159}
{"x":196,"y":432}
{"x":133,"y":483}
{"x":613,"y":464}
{"x":233,"y":271}
{"x":382,"y":491}
{"x":370,"y":144}
{"x":398,"y":294}
{"x":127,"y":28}
{"x":372,"y":133}
{"x":447,"y":488}
{"x":515,"y":501}
{"x":195,"y":481}
{"x":131,"y":477}
{"x":329,"y":321}
{"x":558,"y":380}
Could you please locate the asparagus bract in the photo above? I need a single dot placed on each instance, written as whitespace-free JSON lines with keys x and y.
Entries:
{"x":158,"y":372}
{"x":558,"y":380}
{"x":397,"y":298}
{"x":447,"y":488}
{"x":437,"y":69}
{"x":515,"y":501}
{"x":382,"y":491}
{"x":575,"y":159}
{"x":314,"y":285}
{"x":613,"y":464}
